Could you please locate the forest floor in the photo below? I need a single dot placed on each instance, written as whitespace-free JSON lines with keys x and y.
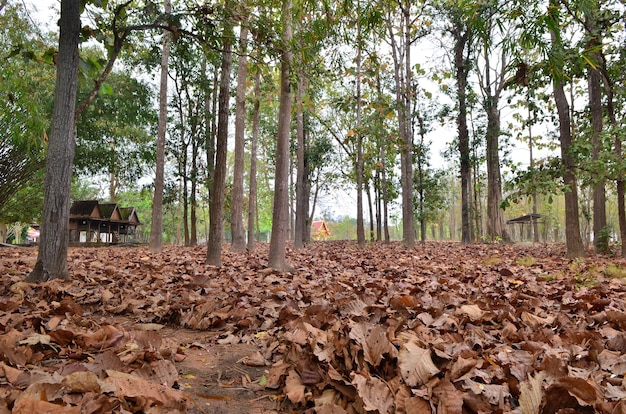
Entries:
{"x":439,"y":328}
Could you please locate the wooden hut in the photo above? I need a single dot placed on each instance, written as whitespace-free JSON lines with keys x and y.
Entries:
{"x":130,"y":221}
{"x":91,"y":221}
{"x":85,"y":220}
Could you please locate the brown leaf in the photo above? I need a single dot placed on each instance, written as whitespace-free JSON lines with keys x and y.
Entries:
{"x":33,"y":405}
{"x":374,"y":393}
{"x":415,"y":364}
{"x":145,"y":394}
{"x":449,"y":399}
{"x":531,"y":393}
{"x":82,"y":381}
{"x":294,"y":388}
{"x":373,"y":340}
{"x":159,"y":372}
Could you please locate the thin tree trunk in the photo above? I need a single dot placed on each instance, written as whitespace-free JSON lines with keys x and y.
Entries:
{"x":617,"y":149}
{"x":216,"y":224}
{"x":280,"y":216}
{"x":193,"y":237}
{"x":237,"y":229}
{"x":496,"y":227}
{"x":210,"y":118}
{"x":302,"y":173}
{"x":360,"y":230}
{"x":252,"y":198}
{"x":52,"y":257}
{"x":532,"y":169}
{"x":371,"y":211}
{"x":461,"y":39}
{"x":600,"y":231}
{"x":156,"y":230}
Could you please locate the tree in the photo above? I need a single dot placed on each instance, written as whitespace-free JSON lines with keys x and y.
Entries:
{"x":492,"y":89}
{"x":252,"y":198}
{"x":575,"y":247}
{"x":216,"y":225}
{"x":26,"y":82}
{"x":401,"y":52}
{"x":156,"y":230}
{"x":462,"y":35}
{"x":52,"y":257}
{"x":237,"y":229}
{"x":277,"y":254}
{"x":114,"y":134}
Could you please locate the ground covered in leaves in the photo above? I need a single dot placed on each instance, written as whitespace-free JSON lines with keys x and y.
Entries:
{"x":441,"y":328}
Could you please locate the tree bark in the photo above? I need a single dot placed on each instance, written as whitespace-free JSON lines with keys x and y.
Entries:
{"x":52,"y":257}
{"x":594,"y":81}
{"x":156,"y":228}
{"x":402,"y":79}
{"x":360,"y":227}
{"x":461,"y":39}
{"x":302,"y":172}
{"x":573,"y":239}
{"x":193,"y":237}
{"x":496,"y":226}
{"x":216,"y":223}
{"x":280,"y":215}
{"x":252,"y":208}
{"x":236,"y":221}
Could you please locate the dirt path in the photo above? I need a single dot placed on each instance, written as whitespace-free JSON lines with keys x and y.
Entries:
{"x":216,"y":378}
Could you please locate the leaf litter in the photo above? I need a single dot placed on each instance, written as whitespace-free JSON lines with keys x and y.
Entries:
{"x":442,"y":328}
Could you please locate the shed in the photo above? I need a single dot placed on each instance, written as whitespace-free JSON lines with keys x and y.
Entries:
{"x":524,"y":224}
{"x":319,"y":230}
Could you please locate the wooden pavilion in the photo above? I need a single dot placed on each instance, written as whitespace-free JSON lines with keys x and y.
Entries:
{"x":524,"y":226}
{"x":94,"y":222}
{"x":319,"y":230}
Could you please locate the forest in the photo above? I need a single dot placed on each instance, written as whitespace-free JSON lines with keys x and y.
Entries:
{"x":418,"y":131}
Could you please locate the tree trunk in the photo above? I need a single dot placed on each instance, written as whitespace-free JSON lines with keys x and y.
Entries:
{"x":461,"y":39}
{"x":156,"y":228}
{"x":385,"y":194}
{"x":402,"y":79}
{"x":360,"y":226}
{"x":496,"y":226}
{"x":253,"y":154}
{"x":52,"y":257}
{"x":216,"y":223}
{"x":210,"y":126}
{"x":302,"y":173}
{"x":185,"y":195}
{"x":600,"y":231}
{"x":280,"y":215}
{"x":617,"y":149}
{"x":573,"y":239}
{"x":236,"y":221}
{"x":371,"y":210}
{"x":193,"y":237}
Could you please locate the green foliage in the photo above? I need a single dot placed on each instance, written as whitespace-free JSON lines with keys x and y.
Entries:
{"x":115,"y":133}
{"x":26,"y":88}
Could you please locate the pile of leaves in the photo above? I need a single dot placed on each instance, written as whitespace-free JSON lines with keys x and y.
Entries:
{"x":441,"y":328}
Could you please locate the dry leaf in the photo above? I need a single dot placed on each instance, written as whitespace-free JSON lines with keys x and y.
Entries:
{"x":415,"y":364}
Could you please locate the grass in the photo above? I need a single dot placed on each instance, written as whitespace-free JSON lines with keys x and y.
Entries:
{"x":526,"y":261}
{"x":615,"y":272}
{"x":491,"y":261}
